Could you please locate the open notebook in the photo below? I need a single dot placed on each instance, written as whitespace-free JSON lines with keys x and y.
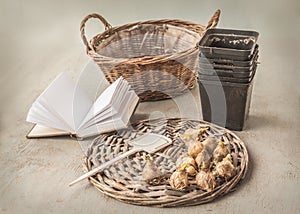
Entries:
{"x":64,"y":109}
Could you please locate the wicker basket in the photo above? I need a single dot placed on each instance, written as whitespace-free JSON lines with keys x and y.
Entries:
{"x":123,"y":180}
{"x":158,"y":57}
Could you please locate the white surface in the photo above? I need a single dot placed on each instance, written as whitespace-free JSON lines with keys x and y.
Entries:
{"x":104,"y":101}
{"x":64,"y":105}
{"x":40,"y":39}
{"x":63,"y":98}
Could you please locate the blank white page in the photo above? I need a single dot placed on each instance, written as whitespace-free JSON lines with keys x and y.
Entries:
{"x":114,"y":107}
{"x":42,"y":114}
{"x":51,"y":111}
{"x":118,"y":121}
{"x":103,"y":101}
{"x":60,"y":95}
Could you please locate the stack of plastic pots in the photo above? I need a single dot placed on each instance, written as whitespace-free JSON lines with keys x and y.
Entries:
{"x":227,"y":66}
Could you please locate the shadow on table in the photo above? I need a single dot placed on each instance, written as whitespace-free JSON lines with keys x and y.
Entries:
{"x":256,"y":122}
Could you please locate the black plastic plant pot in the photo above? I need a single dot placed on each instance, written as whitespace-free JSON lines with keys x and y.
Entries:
{"x":232,"y":108}
{"x":228,"y":44}
{"x":227,"y":67}
{"x":203,"y":67}
{"x":217,"y":78}
{"x":225,"y":73}
{"x":228,"y":62}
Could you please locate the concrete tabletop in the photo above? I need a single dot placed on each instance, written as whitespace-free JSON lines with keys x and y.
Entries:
{"x":40,"y":39}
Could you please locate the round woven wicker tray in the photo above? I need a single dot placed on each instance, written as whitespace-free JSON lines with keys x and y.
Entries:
{"x":123,"y":180}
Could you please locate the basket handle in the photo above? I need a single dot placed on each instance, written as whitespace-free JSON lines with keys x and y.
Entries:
{"x":213,"y":22}
{"x":82,"y":28}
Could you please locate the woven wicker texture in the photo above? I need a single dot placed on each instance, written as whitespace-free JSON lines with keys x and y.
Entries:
{"x":159,"y":58}
{"x":123,"y":180}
